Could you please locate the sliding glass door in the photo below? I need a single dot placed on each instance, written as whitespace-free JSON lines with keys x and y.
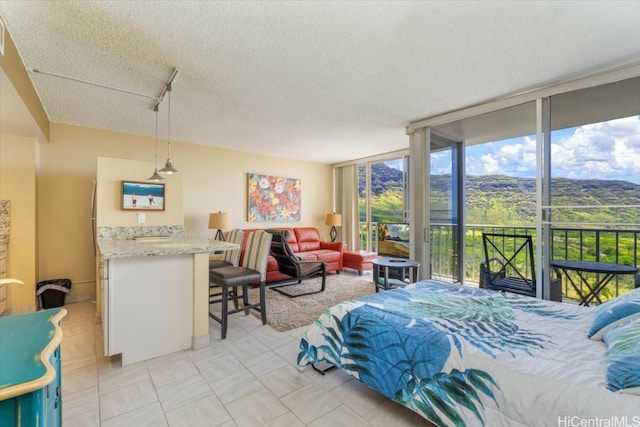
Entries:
{"x":482,"y":179}
{"x":383,"y":206}
{"x":562,"y":168}
{"x":445,"y":209}
{"x":594,"y":213}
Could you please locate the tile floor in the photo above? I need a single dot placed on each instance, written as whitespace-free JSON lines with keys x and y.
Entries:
{"x":249,"y":379}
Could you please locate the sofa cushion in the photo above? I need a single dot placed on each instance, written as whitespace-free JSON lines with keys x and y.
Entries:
{"x":327,"y":255}
{"x":307,"y":256}
{"x":272,"y":264}
{"x":291,"y":239}
{"x":308,"y":239}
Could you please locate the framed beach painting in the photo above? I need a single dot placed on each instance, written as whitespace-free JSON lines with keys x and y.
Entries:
{"x":142,"y":196}
{"x":273,"y":198}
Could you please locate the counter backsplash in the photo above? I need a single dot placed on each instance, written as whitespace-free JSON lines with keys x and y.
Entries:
{"x":5,"y":220}
{"x":123,"y":233}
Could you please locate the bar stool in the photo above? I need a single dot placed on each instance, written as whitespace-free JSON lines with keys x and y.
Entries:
{"x":252,"y":272}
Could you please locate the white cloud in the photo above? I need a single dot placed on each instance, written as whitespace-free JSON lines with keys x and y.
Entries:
{"x":514,"y":158}
{"x":608,"y":150}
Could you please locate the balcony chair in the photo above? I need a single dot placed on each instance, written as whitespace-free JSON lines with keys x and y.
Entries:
{"x":231,"y":279}
{"x":291,"y":265}
{"x":508,"y":266}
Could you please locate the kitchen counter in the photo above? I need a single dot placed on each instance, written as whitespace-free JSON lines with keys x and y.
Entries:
{"x":150,"y":246}
{"x":154,"y":293}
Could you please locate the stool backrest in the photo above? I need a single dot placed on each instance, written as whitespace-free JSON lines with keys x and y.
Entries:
{"x":256,"y":252}
{"x":233,"y":256}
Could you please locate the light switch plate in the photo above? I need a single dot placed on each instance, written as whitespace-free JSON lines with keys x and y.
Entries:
{"x":141,"y":218}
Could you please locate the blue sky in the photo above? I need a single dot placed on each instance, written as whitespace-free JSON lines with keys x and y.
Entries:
{"x":608,"y":150}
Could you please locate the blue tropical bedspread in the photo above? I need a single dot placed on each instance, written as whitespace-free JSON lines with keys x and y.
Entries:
{"x":462,"y":356}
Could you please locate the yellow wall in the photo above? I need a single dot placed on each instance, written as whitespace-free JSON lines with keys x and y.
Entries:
{"x":49,"y":185}
{"x":18,"y":157}
{"x":213,"y":179}
{"x":110,"y":174}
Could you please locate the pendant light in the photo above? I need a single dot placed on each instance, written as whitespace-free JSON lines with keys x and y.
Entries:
{"x":168,"y":166}
{"x":156,"y":177}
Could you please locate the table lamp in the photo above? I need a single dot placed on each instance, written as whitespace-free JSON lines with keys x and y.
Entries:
{"x":219,"y":221}
{"x":334,"y":220}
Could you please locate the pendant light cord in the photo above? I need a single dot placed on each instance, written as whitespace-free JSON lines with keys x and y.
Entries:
{"x":168,"y":167}
{"x":156,"y":110}
{"x":156,"y":177}
{"x":169,"y":115}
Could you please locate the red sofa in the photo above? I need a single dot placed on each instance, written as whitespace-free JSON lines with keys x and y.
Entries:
{"x":306,"y":243}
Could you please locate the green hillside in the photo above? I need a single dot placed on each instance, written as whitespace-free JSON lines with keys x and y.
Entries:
{"x":505,"y":200}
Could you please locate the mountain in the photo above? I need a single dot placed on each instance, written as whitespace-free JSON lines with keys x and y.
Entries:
{"x":506,"y":200}
{"x":500,"y":199}
{"x":383,"y":178}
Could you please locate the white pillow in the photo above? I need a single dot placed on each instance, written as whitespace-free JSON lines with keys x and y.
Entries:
{"x":623,"y":354}
{"x":611,"y":313}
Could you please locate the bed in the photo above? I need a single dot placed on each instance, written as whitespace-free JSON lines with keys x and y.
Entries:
{"x":462,"y":356}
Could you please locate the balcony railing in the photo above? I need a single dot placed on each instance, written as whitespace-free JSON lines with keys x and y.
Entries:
{"x":620,"y":246}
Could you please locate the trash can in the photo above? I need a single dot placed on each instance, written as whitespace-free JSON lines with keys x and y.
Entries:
{"x":53,"y":292}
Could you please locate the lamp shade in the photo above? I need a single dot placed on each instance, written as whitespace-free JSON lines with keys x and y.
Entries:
{"x":219,"y":220}
{"x":334,"y":219}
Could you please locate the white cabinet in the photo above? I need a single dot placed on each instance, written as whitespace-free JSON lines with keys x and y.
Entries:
{"x":147,"y":305}
{"x":155,"y":295}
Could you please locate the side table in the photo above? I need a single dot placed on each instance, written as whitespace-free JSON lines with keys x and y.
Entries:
{"x":604,"y":272}
{"x":394,"y":272}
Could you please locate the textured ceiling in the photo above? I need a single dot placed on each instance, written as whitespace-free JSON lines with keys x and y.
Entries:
{"x":318,"y":81}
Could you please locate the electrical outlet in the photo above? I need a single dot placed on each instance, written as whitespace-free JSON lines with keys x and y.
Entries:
{"x":141,"y":218}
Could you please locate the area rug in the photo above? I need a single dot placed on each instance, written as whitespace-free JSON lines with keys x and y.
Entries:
{"x":284,"y":313}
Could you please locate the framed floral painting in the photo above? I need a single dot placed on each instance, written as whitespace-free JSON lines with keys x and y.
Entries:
{"x":273,"y":198}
